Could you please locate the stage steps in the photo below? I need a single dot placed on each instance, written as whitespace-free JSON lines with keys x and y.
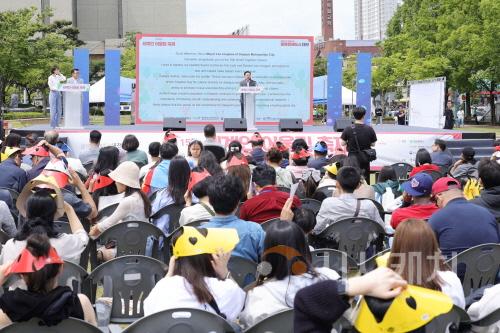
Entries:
{"x":483,"y":144}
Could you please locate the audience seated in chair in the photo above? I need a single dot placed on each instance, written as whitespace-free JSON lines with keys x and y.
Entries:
{"x":99,"y":183}
{"x":13,"y":177}
{"x":268,"y":203}
{"x":416,"y":257}
{"x":131,"y":144}
{"x":489,"y":174}
{"x":466,"y":166}
{"x":40,"y":210}
{"x":288,"y":269}
{"x":274,"y":159}
{"x":320,"y":160}
{"x":90,"y":155}
{"x":195,"y":148}
{"x":364,"y":190}
{"x":198,"y":276}
{"x":423,"y":162}
{"x":387,"y":179}
{"x":198,"y":186}
{"x":345,"y":204}
{"x":440,"y":155}
{"x":417,"y":192}
{"x":211,"y":144}
{"x":224,"y":193}
{"x":238,"y":166}
{"x":460,"y":224}
{"x":39,"y":266}
{"x":154,"y":153}
{"x":157,"y":177}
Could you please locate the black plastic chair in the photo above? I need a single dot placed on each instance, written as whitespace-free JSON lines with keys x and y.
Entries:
{"x":128,"y":280}
{"x":181,"y":320}
{"x":283,"y":189}
{"x":174,"y":213}
{"x":353,"y":236}
{"x":65,"y":326}
{"x":4,"y":237}
{"x":402,"y":170}
{"x":448,"y":322}
{"x":324,"y":192}
{"x":435,"y":175}
{"x":267,"y":223}
{"x":242,"y":270}
{"x":311,"y":204}
{"x":13,"y":193}
{"x":477,"y":266}
{"x":88,"y":166}
{"x":371,"y":263}
{"x":62,"y":227}
{"x":379,"y":206}
{"x":281,"y":322}
{"x":106,"y":212}
{"x":334,"y":259}
{"x":218,"y":151}
{"x":73,"y":276}
{"x":132,"y":237}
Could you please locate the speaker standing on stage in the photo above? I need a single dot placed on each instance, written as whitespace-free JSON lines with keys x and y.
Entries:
{"x":246,"y":82}
{"x":55,"y":101}
{"x":360,"y":139}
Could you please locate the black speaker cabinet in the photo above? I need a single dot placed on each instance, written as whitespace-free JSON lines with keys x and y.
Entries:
{"x":174,"y":124}
{"x":341,"y":124}
{"x":235,"y":125}
{"x":291,"y":125}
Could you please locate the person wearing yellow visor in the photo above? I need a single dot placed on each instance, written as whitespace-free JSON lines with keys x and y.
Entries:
{"x":198,"y":276}
{"x":13,"y":176}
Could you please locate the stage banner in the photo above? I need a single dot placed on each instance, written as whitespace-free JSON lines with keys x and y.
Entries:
{"x":364,"y":84}
{"x":81,"y":60}
{"x":334,"y":68}
{"x":112,"y":87}
{"x":392,"y":147}
{"x":197,"y":77}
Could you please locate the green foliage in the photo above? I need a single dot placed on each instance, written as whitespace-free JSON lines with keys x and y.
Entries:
{"x":29,"y":48}
{"x":320,"y":67}
{"x":457,"y":39}
{"x":128,"y":55}
{"x":23,"y":115}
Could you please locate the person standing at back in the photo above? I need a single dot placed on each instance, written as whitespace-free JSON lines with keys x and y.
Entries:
{"x":358,"y":138}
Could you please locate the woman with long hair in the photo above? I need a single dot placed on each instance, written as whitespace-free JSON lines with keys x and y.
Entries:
{"x":233,"y":148}
{"x":43,"y":298}
{"x":135,"y":205}
{"x":198,"y":187}
{"x":131,"y":145}
{"x":178,"y":179}
{"x":41,"y":209}
{"x":416,"y":257}
{"x":195,"y":148}
{"x":387,"y":178}
{"x":98,"y":182}
{"x":286,"y":268}
{"x":198,"y":276}
{"x":208,"y":161}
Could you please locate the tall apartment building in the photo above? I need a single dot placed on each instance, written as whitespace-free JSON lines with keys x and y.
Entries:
{"x":372,"y":16}
{"x":99,"y":20}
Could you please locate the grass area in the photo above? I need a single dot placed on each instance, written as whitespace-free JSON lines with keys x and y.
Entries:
{"x":94,"y":120}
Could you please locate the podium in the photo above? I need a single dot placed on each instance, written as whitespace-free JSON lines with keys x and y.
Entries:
{"x":73,"y":103}
{"x":249,"y":94}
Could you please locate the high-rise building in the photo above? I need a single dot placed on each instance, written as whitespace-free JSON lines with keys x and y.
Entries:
{"x":327,"y":19}
{"x":372,"y":16}
{"x":99,"y":20}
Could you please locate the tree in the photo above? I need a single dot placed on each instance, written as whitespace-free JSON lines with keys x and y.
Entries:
{"x":128,"y":55}
{"x":320,"y":67}
{"x":29,"y":48}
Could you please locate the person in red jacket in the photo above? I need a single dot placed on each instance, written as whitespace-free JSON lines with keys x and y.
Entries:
{"x":269,"y":202}
{"x":417,"y":190}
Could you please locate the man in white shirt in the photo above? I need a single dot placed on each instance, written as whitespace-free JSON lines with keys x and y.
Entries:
{"x":55,"y":101}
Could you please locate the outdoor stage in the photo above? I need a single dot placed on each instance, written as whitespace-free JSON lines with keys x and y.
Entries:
{"x":395,"y":143}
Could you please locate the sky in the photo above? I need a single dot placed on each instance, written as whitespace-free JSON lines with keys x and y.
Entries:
{"x":268,"y":17}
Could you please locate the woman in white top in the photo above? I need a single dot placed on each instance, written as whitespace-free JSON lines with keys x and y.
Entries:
{"x":416,"y":257}
{"x":40,"y":211}
{"x":197,"y":277}
{"x":290,"y":269}
{"x":135,"y":205}
{"x":283,"y":177}
{"x":198,"y":186}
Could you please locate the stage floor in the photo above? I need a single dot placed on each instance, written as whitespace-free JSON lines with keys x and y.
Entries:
{"x":385,"y":128}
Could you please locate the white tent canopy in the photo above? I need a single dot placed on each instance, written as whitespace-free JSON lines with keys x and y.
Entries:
{"x":320,"y":87}
{"x":98,"y":89}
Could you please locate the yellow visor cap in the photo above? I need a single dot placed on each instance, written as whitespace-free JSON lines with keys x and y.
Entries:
{"x":413,"y":308}
{"x":192,"y":242}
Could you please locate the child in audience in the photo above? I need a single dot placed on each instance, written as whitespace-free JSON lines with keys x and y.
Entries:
{"x":99,"y":183}
{"x":198,"y":186}
{"x":416,"y":257}
{"x":198,"y":276}
{"x":195,"y":148}
{"x":39,"y":266}
{"x":286,"y":268}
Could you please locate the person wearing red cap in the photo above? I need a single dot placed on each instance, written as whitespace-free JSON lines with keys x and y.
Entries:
{"x":39,"y":265}
{"x":300,"y":158}
{"x":198,"y":186}
{"x":40,"y":156}
{"x":269,"y":202}
{"x":460,"y":224}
